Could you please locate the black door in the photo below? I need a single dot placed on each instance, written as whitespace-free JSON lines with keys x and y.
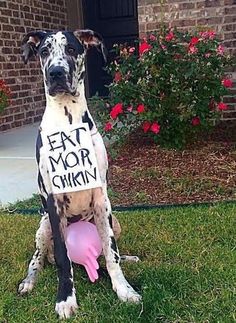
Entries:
{"x":117,"y":22}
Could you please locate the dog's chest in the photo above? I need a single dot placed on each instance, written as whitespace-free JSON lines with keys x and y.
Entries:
{"x":66,"y":116}
{"x":76,"y":205}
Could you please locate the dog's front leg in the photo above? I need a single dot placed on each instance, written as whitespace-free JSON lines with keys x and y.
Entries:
{"x":103,"y":220}
{"x":66,"y":304}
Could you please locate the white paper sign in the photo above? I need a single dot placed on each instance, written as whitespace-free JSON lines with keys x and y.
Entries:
{"x":71,"y":159}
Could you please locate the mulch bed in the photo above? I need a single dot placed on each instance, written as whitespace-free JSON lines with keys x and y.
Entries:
{"x":144,"y":173}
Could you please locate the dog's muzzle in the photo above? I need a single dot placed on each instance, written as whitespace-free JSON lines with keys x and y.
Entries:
{"x":57,"y":81}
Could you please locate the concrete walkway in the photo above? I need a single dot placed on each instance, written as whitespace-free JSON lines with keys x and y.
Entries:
{"x":18,"y":171}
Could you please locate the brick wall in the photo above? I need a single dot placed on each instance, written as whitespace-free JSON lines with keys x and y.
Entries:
{"x":186,"y":14}
{"x":18,"y":17}
{"x":219,"y":15}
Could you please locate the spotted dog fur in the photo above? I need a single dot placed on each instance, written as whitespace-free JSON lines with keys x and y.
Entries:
{"x":62,"y":57}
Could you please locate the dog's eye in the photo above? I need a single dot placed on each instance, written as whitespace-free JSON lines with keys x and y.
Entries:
{"x":70,"y":50}
{"x":44,"y":52}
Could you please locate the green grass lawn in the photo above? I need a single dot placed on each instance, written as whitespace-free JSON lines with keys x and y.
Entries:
{"x":187,"y":271}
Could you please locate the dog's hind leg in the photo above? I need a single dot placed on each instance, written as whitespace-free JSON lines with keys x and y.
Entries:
{"x":103,"y":221}
{"x":43,"y":237}
{"x":117,"y":231}
{"x":50,"y":253}
{"x":127,"y":258}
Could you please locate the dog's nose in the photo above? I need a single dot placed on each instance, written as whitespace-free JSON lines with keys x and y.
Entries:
{"x":56,"y":72}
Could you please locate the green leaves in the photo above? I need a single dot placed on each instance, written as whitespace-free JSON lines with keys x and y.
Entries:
{"x":177,"y":76}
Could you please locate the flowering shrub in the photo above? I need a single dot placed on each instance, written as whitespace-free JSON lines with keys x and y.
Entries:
{"x":5,"y":94}
{"x":172,"y":89}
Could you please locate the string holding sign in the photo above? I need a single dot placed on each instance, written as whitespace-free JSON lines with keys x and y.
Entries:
{"x":71,"y":159}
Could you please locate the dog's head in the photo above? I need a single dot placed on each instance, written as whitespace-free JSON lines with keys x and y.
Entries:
{"x":62,"y":57}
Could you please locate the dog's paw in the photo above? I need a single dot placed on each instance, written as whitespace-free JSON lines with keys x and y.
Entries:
{"x":26,"y":286}
{"x":66,"y":309}
{"x":129,"y":258}
{"x":126,"y":293}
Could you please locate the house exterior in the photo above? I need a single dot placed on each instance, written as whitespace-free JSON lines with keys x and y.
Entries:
{"x":17,"y":17}
{"x":124,"y":18}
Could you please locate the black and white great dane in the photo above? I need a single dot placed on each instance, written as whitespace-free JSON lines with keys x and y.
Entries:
{"x":62,"y":57}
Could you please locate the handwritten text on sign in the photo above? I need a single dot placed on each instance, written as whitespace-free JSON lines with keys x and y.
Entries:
{"x":71,"y":159}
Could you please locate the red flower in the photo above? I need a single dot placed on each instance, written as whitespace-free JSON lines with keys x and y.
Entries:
{"x":108,"y":126}
{"x":5,"y":94}
{"x":220,"y":50}
{"x":155,"y":127}
{"x":203,"y":34}
{"x":140,"y":108}
{"x":196,"y":121}
{"x":146,"y":126}
{"x":5,"y":88}
{"x":192,"y":49}
{"x":207,"y":34}
{"x":144,"y":47}
{"x":227,"y":83}
{"x":163,"y":47}
{"x":177,"y":56}
{"x":131,"y":50}
{"x":116,"y":110}
{"x":222,"y":106}
{"x":152,"y":37}
{"x":169,"y":36}
{"x":194,"y":41}
{"x":211,"y":34}
{"x":117,"y":77}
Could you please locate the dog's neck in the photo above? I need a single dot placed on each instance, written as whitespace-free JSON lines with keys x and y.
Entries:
{"x":64,"y":109}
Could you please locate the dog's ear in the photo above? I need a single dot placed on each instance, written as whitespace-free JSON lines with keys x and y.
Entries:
{"x":30,"y":44}
{"x":90,"y":38}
